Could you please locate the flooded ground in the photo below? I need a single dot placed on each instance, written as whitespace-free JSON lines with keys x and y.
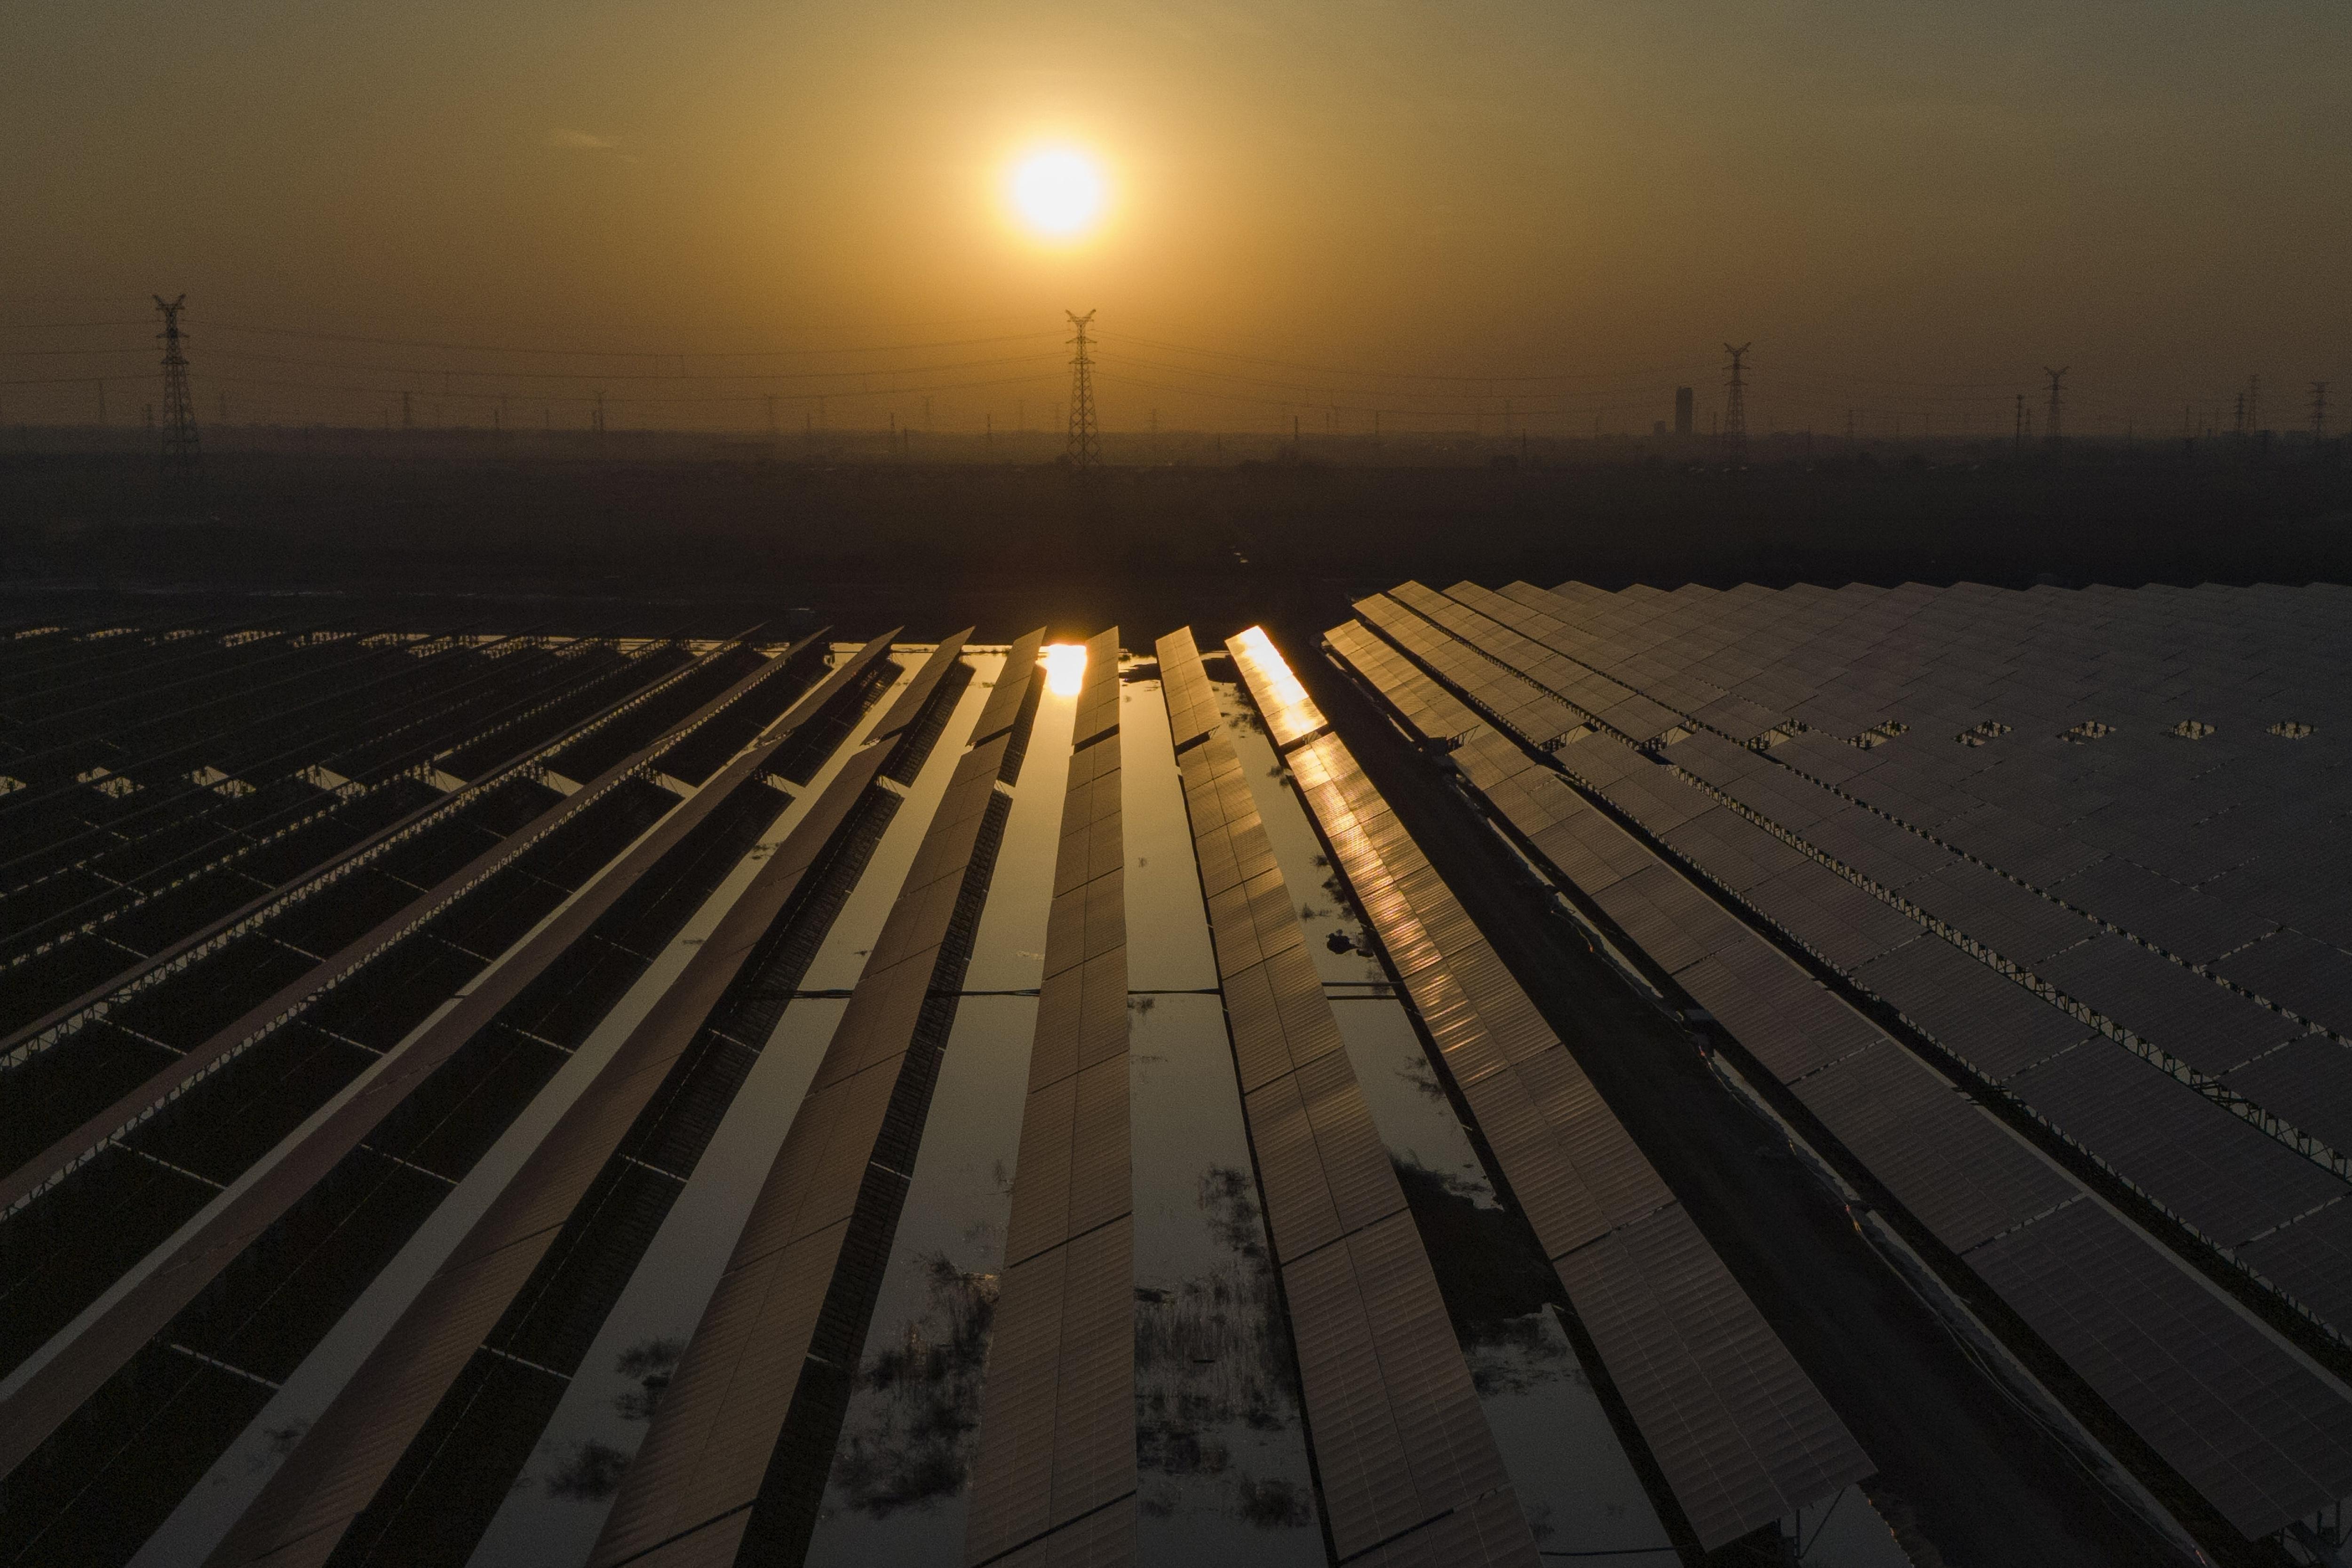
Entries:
{"x":1223,"y":1461}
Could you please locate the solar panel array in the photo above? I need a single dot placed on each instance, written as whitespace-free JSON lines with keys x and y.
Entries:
{"x":249,"y":1050}
{"x":431,"y":1429}
{"x":1907,"y":785}
{"x":1743,"y":1436}
{"x":708,"y":1481}
{"x":1409,"y":1467}
{"x":163,"y":785}
{"x":1054,"y":1477}
{"x":370,"y":1000}
{"x":2101,"y":976}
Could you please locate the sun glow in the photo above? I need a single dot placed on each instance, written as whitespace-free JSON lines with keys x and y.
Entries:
{"x":1057,"y":192}
{"x":1065,"y":668}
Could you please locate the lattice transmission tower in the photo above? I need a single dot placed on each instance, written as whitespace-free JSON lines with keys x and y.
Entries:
{"x":1085,"y":436}
{"x":182,"y":462}
{"x":1735,"y":407}
{"x":2056,"y":430}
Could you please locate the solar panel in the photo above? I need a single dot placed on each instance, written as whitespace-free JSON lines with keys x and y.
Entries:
{"x":1427,"y":706}
{"x":2014,"y":922}
{"x":1668,"y":918}
{"x":1656,"y":799}
{"x":49,"y":1399}
{"x":1729,"y":1414}
{"x":1830,"y":917}
{"x":2220,"y":1174}
{"x":1988,"y":1019}
{"x":1289,"y":712}
{"x":2292,"y":970}
{"x":2310,"y":1260}
{"x":1964,"y":1176}
{"x":2212,"y":1028}
{"x":1732,"y":850}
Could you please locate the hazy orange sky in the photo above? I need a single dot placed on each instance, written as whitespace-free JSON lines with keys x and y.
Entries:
{"x":1909,"y":209}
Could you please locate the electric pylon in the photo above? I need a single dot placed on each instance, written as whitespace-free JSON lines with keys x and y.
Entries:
{"x":1735,"y":408}
{"x":2318,"y":412}
{"x":2057,"y":402}
{"x":1086,"y":438}
{"x":182,"y":463}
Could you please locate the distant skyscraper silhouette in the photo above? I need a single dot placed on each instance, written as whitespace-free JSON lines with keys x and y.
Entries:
{"x":1682,"y":410}
{"x":1735,"y":410}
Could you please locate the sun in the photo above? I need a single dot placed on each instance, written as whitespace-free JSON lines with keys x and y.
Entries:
{"x":1058,"y":193}
{"x":1065,"y":668}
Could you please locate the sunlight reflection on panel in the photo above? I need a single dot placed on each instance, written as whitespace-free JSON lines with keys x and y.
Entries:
{"x":1290,"y":714}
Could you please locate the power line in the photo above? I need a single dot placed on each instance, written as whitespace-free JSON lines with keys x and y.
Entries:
{"x":1403,"y":375}
{"x":746,"y":397}
{"x":630,"y":375}
{"x":618,"y":353}
{"x":1615,"y":405}
{"x":1313,"y":391}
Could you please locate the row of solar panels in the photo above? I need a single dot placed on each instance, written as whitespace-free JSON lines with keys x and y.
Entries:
{"x":216,"y":979}
{"x":741,"y":1440}
{"x":2260,"y":1068}
{"x":116,"y":877}
{"x":421,"y":1444}
{"x":264,"y":1279}
{"x":1740,"y":1432}
{"x":425,"y":1439}
{"x":2236,"y":1413}
{"x":1402,"y":1448}
{"x":117,"y":762}
{"x":409,"y":1457}
{"x":1819,"y":642}
{"x":1054,"y":1477}
{"x":2204,"y":748}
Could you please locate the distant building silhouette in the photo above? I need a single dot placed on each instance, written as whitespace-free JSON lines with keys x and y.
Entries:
{"x":1682,"y":410}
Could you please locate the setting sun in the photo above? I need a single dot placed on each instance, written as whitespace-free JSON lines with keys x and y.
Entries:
{"x":1065,"y":668}
{"x":1058,"y":193}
